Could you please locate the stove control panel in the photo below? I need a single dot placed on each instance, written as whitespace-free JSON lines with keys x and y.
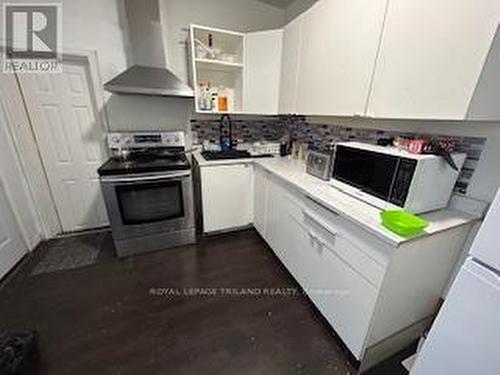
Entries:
{"x":146,"y":140}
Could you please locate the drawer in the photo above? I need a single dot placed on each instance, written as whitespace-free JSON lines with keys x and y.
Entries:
{"x":351,"y":234}
{"x":332,"y":236}
{"x":362,"y":251}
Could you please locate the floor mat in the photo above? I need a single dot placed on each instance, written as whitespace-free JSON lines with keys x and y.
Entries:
{"x":70,"y":253}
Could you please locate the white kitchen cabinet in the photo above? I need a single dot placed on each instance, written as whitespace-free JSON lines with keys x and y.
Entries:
{"x":279,"y":233}
{"x":218,"y":69}
{"x":431,"y":59}
{"x":337,"y":57}
{"x":343,"y":295}
{"x":227,"y":197}
{"x":242,"y":67}
{"x":262,"y":72}
{"x":371,"y":293}
{"x":290,"y":60}
{"x":369,"y":289}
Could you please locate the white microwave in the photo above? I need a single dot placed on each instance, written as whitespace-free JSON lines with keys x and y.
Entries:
{"x":387,"y":177}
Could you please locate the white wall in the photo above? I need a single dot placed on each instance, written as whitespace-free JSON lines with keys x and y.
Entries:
{"x":149,"y":113}
{"x":98,"y":25}
{"x":238,"y":15}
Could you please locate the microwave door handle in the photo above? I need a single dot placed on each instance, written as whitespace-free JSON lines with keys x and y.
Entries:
{"x":146,"y":178}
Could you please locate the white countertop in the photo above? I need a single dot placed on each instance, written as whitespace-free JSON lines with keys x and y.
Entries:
{"x":353,"y":209}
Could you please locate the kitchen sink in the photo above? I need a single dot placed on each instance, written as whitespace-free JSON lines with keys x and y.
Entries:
{"x":232,"y":154}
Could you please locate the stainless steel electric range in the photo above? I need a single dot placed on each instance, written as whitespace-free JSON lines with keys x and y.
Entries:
{"x":148,"y":190}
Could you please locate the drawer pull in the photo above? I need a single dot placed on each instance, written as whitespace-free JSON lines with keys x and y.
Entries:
{"x":315,"y":201}
{"x":316,"y":241}
{"x":320,"y":222}
{"x":323,"y":245}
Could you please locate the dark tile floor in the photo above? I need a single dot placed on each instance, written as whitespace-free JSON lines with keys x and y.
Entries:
{"x":106,"y":319}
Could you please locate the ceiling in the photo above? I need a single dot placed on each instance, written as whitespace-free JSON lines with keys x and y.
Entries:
{"x":278,"y":3}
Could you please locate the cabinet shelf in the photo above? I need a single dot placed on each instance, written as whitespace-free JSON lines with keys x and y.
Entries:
{"x":209,"y":64}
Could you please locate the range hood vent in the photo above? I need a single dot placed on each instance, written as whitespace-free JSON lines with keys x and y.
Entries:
{"x":145,"y":80}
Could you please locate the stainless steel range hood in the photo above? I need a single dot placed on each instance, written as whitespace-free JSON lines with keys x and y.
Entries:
{"x":145,"y":80}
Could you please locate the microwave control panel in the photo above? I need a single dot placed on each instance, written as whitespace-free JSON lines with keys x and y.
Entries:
{"x":402,"y":181}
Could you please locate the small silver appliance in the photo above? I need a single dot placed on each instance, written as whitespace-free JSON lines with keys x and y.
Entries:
{"x":320,"y":164}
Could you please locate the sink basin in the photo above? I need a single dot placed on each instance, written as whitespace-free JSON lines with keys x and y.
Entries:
{"x":232,"y":154}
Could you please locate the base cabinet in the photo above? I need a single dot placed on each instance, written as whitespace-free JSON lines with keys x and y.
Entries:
{"x":378,"y":297}
{"x":365,"y":288}
{"x":344,"y":297}
{"x":227,"y":197}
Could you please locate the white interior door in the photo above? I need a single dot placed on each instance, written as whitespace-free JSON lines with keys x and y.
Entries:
{"x":12,"y":245}
{"x":71,"y":141}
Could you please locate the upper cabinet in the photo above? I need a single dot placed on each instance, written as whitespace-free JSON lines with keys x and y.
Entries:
{"x":290,"y":60}
{"x":402,"y":59}
{"x":438,"y":60}
{"x":233,"y":72}
{"x":262,"y":72}
{"x":217,"y":63}
{"x":337,"y":56}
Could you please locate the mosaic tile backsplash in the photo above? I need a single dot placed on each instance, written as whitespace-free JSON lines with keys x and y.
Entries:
{"x":320,"y":136}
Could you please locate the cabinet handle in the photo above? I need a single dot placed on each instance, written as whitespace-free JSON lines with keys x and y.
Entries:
{"x":315,"y":201}
{"x":320,"y":222}
{"x":316,"y":241}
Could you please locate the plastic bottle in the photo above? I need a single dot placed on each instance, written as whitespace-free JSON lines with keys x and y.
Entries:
{"x":202,"y":94}
{"x":207,"y":98}
{"x":222,"y":102}
{"x":214,"y":94}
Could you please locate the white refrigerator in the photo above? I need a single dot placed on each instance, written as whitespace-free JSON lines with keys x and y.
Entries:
{"x":465,"y":338}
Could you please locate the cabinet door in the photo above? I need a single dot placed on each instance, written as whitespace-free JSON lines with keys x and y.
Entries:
{"x":227,"y":197}
{"x":290,"y":60}
{"x":260,"y":210}
{"x":343,"y":296}
{"x":275,"y":237}
{"x":279,"y":232}
{"x":339,"y":46}
{"x":316,"y":259}
{"x":431,"y":57}
{"x":262,"y":72}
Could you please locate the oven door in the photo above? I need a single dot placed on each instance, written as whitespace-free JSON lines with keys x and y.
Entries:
{"x":147,"y":204}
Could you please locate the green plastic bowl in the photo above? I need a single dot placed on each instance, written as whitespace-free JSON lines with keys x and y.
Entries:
{"x":403,"y":223}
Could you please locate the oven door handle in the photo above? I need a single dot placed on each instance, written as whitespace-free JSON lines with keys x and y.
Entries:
{"x":145,"y":177}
